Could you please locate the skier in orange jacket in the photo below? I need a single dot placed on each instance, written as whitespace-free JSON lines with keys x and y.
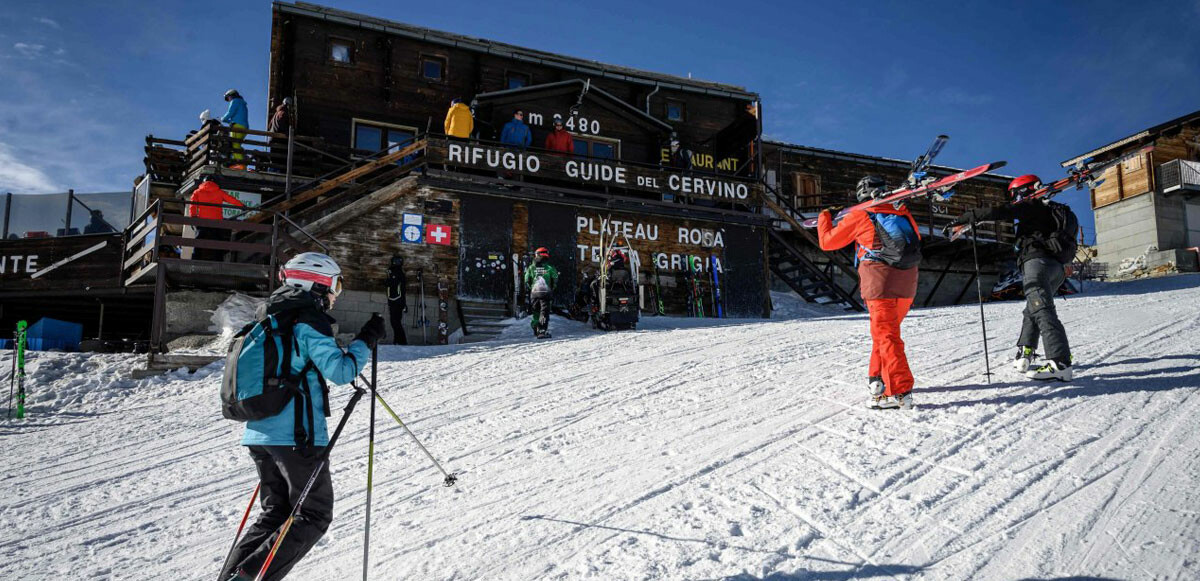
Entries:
{"x":210,"y":193}
{"x":887,"y":253}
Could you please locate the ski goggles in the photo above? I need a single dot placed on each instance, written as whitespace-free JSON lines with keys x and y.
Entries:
{"x":333,"y":283}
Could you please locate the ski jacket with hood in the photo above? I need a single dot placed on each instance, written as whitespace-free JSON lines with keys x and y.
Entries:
{"x":516,"y":133}
{"x":877,"y":280}
{"x":459,"y":122}
{"x":318,"y":355}
{"x":1035,"y":222}
{"x":236,"y":113}
{"x":560,"y":141}
{"x":210,"y":193}
{"x":546,"y":273}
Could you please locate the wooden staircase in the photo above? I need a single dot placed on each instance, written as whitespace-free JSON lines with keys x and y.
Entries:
{"x":483,"y":320}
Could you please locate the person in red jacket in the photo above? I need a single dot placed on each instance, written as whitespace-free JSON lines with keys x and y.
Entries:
{"x":210,"y":193}
{"x":559,"y":141}
{"x":888,"y":249}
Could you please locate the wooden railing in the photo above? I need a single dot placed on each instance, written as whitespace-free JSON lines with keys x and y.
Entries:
{"x":171,"y":161}
{"x":158,"y":234}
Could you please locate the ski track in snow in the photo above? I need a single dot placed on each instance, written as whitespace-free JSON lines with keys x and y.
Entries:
{"x":690,"y":449}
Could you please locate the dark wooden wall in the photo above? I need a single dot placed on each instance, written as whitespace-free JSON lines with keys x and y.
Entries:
{"x":383,"y":83}
{"x":838,"y":178}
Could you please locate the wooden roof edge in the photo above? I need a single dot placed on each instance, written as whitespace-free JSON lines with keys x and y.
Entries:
{"x":1152,"y":131}
{"x":581,"y":65}
{"x":875,"y":159}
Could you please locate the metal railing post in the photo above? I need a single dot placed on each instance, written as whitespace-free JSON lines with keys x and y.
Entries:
{"x":7,"y":211}
{"x":70,"y":206}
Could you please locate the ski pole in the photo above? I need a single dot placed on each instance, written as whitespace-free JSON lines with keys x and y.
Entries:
{"x":287,"y":525}
{"x":370,"y":463}
{"x":450,"y":477}
{"x":237,"y":537}
{"x":12,"y":379}
{"x":987,"y":364}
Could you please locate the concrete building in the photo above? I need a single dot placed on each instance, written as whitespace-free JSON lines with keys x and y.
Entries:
{"x":1150,"y":203}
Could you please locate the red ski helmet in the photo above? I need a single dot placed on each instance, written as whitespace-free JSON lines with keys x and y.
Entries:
{"x":542,"y":251}
{"x":1023,"y":186}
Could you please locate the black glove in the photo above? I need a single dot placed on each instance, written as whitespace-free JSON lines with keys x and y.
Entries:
{"x":372,"y":331}
{"x":833,"y":210}
{"x":966,"y":218}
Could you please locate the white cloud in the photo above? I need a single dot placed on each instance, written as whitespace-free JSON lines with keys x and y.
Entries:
{"x":19,"y":177}
{"x":49,"y":22}
{"x":30,"y":51}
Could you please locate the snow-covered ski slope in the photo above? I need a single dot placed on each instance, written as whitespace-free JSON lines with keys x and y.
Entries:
{"x":686,"y":450}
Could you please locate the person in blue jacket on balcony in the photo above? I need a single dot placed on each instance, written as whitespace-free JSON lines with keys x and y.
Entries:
{"x":237,"y":116}
{"x":516,"y":133}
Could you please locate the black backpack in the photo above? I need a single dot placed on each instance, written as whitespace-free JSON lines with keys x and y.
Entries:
{"x":899,"y":244}
{"x":258,"y":381}
{"x":1061,"y":243}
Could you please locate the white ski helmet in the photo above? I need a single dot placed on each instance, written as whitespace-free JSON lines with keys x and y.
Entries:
{"x":312,"y":271}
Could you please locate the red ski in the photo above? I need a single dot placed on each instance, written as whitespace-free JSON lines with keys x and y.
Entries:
{"x":1081,"y":174}
{"x":935,"y":187}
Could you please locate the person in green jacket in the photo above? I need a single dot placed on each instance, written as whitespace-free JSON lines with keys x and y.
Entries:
{"x":540,"y":279}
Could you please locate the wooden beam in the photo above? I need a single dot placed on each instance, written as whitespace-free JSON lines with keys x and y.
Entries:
{"x":343,"y":179}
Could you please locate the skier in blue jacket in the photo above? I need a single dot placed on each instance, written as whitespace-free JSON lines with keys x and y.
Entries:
{"x":237,"y":116}
{"x":516,"y":133}
{"x":287,"y":451}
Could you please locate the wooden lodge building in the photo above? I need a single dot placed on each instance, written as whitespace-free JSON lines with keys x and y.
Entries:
{"x":1151,"y":199}
{"x":366,"y":173}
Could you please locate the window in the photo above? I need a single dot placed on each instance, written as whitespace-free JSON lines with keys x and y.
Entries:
{"x":807,"y":193}
{"x":597,"y":148}
{"x":370,"y":136}
{"x":433,"y":68}
{"x":676,"y":111}
{"x":341,"y":51}
{"x":516,"y":80}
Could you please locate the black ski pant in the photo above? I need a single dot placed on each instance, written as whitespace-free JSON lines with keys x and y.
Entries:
{"x":203,"y":233}
{"x":396,"y":314}
{"x":1042,"y":278}
{"x":283,"y":472}
{"x":541,"y":315}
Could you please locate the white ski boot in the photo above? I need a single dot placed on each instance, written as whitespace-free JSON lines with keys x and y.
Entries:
{"x":905,"y":401}
{"x":1024,"y":359}
{"x":1051,"y":370}
{"x":875,"y":384}
{"x":882,"y":402}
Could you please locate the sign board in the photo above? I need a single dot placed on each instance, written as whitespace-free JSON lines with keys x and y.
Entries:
{"x":595,"y":172}
{"x":438,"y":234}
{"x":250,"y":199}
{"x":411,"y":230}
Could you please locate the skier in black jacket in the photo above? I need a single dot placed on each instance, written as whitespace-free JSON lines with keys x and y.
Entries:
{"x":397,"y":293}
{"x":1043,"y":274}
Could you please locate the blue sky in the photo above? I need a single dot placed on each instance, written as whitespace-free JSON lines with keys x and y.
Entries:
{"x":1033,"y":83}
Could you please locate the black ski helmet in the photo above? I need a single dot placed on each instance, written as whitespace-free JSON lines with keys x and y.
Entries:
{"x":870,"y":187}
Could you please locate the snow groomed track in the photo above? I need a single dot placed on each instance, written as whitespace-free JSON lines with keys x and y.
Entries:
{"x":690,"y":449}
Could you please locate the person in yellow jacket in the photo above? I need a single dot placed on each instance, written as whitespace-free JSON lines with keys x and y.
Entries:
{"x":459,"y":121}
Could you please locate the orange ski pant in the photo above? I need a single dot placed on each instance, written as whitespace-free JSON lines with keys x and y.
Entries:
{"x":887,"y":349}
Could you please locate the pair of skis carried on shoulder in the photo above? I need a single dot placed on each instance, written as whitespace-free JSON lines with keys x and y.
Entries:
{"x":919,"y":183}
{"x":1086,"y":173}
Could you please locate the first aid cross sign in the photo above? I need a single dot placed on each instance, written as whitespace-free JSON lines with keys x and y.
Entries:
{"x":437,"y":234}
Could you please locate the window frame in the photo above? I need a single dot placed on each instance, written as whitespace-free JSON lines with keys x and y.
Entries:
{"x":442,"y":60}
{"x":335,"y":40}
{"x":509,"y":74}
{"x":593,"y":139}
{"x":382,"y":126}
{"x":800,"y":199}
{"x":682,"y":111}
